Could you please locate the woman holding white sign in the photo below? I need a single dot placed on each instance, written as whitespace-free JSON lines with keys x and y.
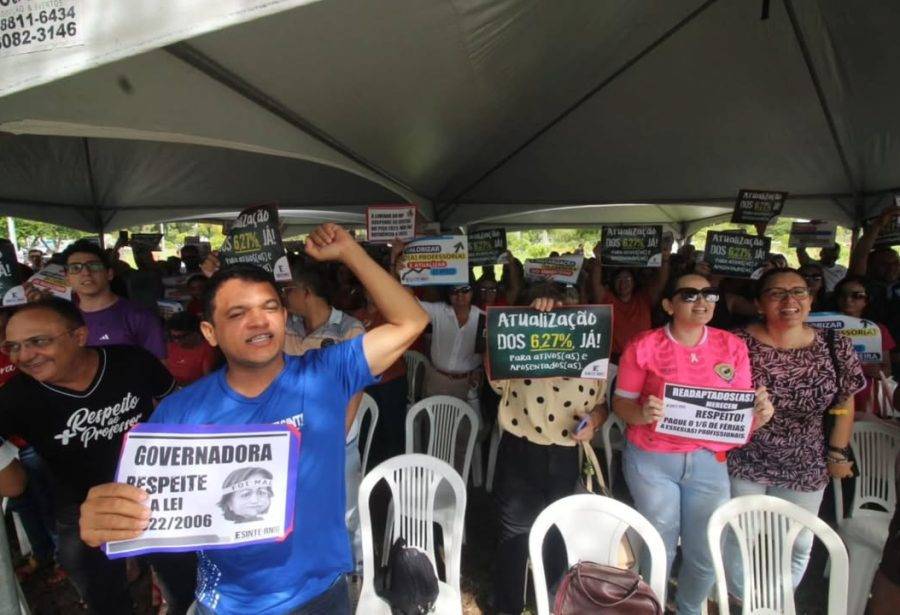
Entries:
{"x":678,"y":481}
{"x":807,"y":372}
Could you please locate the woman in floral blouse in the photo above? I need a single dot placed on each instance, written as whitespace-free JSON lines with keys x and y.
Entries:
{"x":808,"y":372}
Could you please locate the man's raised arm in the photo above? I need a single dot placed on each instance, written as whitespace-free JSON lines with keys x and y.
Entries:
{"x":405,"y":319}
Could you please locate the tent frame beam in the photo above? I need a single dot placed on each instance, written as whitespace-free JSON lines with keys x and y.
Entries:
{"x":444,"y":210}
{"x":215,"y":71}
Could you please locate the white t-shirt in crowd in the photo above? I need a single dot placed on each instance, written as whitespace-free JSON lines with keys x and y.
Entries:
{"x":833,"y":275}
{"x":452,"y":346}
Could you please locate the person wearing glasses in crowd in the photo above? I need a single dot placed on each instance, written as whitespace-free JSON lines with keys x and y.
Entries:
{"x":74,"y":403}
{"x":808,"y":372}
{"x":832,"y":271}
{"x":678,"y":482}
{"x":189,"y":356}
{"x":852,"y":299}
{"x":814,"y":275}
{"x":111,"y":319}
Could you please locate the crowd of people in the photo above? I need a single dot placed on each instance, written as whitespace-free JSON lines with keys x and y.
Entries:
{"x":78,"y":374}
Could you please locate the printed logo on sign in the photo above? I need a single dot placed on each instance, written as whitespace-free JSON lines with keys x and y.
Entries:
{"x":104,"y":423}
{"x":725,"y":371}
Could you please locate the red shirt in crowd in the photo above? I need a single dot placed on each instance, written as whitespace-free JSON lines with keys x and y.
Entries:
{"x":629,"y":319}
{"x":190,"y":364}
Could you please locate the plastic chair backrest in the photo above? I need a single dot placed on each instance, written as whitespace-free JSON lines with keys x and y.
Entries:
{"x":445,"y":415}
{"x":875,"y":447}
{"x":367,"y":405}
{"x":592,"y":527}
{"x":611,"y":374}
{"x":766,"y":529}
{"x":883,"y":390}
{"x":414,"y":481}
{"x":415,"y":374}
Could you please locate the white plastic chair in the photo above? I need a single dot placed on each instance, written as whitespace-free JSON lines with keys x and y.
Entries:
{"x":367,"y":405}
{"x":883,"y":396}
{"x":592,"y":527}
{"x":415,"y":375}
{"x":445,"y":415}
{"x":875,"y":447}
{"x":496,"y":435}
{"x":766,"y":529}
{"x":611,"y":441}
{"x":415,"y":482}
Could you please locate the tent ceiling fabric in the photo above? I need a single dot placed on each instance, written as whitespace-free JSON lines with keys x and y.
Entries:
{"x":514,"y":112}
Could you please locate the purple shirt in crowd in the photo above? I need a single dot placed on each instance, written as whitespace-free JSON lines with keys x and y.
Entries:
{"x":126,"y":324}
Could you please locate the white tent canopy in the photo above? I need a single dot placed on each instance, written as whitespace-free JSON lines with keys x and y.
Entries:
{"x":521,"y":113}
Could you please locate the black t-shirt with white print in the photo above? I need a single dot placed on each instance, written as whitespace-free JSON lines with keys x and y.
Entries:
{"x":79,"y":433}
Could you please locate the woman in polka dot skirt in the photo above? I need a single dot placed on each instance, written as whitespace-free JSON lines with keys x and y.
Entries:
{"x":538,"y":459}
{"x":677,"y":482}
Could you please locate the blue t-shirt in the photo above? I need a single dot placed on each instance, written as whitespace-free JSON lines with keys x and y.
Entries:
{"x":310,"y":393}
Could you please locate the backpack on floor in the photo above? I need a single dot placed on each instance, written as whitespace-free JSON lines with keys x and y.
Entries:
{"x":410,"y":582}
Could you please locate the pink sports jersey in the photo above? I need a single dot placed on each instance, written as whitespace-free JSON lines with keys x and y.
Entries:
{"x":654,"y":358}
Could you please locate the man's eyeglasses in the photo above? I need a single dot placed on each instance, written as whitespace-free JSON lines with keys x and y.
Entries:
{"x":36,"y":342}
{"x":780,"y":294}
{"x":487,"y":289}
{"x":815,"y":277}
{"x":692,"y":295}
{"x":856,"y":295}
{"x":92,"y":266}
{"x":459,"y":290}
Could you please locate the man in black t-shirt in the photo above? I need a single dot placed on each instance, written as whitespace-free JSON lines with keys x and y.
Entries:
{"x":74,"y":403}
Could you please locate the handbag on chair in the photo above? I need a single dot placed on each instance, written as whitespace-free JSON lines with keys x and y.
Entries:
{"x":594,"y":588}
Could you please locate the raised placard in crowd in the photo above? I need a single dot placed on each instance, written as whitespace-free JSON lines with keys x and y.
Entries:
{"x":147,"y":241}
{"x":890,"y":233}
{"x":757,"y":206}
{"x":11,"y":292}
{"x":390,"y":222}
{"x":563,"y":269}
{"x":715,"y":415}
{"x":864,"y":334}
{"x":735,"y":254}
{"x":572,"y":341}
{"x":52,"y":280}
{"x":435,"y":260}
{"x":486,"y":247}
{"x":33,"y":25}
{"x":812,"y":234}
{"x":631,"y":246}
{"x":210,"y":486}
{"x":255,"y":238}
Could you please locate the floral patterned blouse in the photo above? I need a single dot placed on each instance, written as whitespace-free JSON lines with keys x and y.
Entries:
{"x":789,"y":451}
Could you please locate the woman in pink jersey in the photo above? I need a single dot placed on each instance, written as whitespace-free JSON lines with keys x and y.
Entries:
{"x":677,"y":482}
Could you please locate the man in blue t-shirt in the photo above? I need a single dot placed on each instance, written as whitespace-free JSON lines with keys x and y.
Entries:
{"x":244,"y":317}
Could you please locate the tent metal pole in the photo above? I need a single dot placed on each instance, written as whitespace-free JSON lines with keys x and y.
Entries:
{"x":451,"y":204}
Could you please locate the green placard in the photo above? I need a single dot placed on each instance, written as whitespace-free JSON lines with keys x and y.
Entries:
{"x":735,"y":254}
{"x":572,"y":341}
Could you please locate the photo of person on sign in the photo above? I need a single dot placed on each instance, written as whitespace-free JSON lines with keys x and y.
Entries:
{"x":246,"y":495}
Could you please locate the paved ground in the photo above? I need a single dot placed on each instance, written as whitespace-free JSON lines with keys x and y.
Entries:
{"x":478,"y":559}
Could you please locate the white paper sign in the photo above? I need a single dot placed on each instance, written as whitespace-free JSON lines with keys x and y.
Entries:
{"x":52,"y":279}
{"x":563,"y":269}
{"x":27,"y":26}
{"x":713,"y":415}
{"x":864,"y":334}
{"x":442,"y":260}
{"x":812,"y":234}
{"x":389,"y":222}
{"x":15,"y":295}
{"x":210,"y":487}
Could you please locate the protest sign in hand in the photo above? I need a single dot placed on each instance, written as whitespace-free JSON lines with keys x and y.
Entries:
{"x":562,"y":269}
{"x":386,"y":223}
{"x":864,"y":334}
{"x":209,"y":486}
{"x":812,"y":234}
{"x":487,"y":247}
{"x":145,"y":241}
{"x":572,"y":341}
{"x":51,"y":280}
{"x":435,"y":260}
{"x":890,"y":232}
{"x":255,"y":238}
{"x":11,"y":292}
{"x":757,"y":206}
{"x":735,"y":254}
{"x":631,"y":246}
{"x":714,"y":415}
